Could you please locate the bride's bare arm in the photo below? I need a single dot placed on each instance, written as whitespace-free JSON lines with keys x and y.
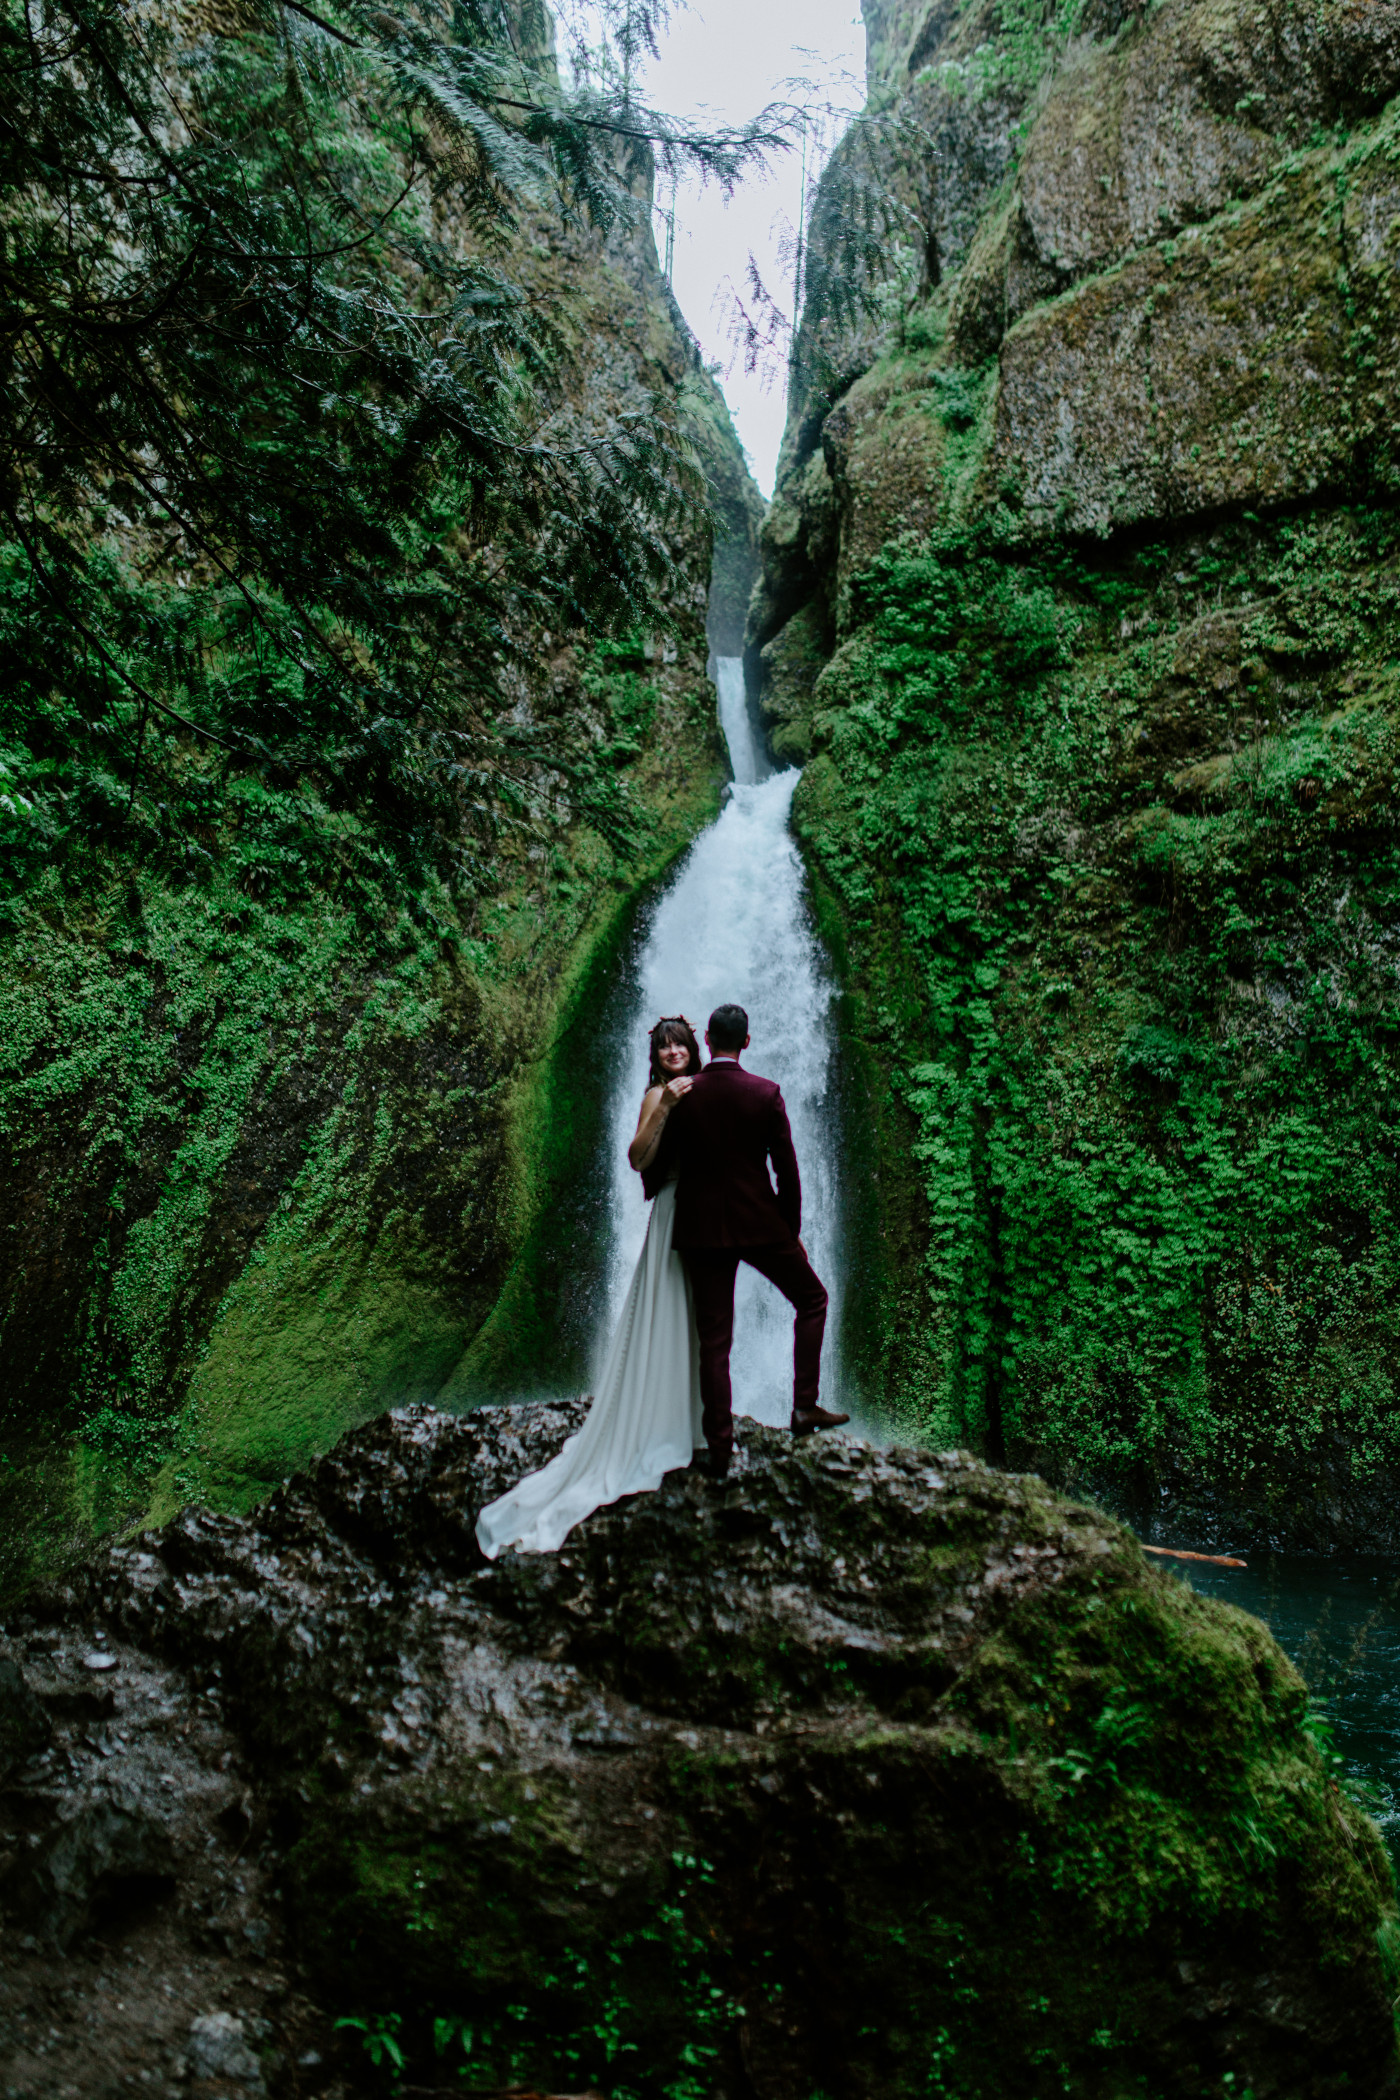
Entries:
{"x":657,"y":1103}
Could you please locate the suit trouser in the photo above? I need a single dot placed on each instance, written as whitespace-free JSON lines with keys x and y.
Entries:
{"x":712,"y":1271}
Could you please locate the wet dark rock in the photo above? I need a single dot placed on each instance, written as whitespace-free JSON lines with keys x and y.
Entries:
{"x":86,"y":1865}
{"x":796,"y":1779}
{"x":24,"y":1726}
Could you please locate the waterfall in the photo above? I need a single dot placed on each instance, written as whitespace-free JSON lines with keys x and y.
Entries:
{"x":732,"y":925}
{"x":748,"y":761}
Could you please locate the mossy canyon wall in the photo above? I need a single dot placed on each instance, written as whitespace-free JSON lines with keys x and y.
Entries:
{"x":1081,"y":600}
{"x":276,"y":1141}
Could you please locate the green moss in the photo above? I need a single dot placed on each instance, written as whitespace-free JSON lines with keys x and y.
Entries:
{"x":513,"y":1935}
{"x":791,"y":662}
{"x":1120,"y":1783}
{"x":540,"y":1329}
{"x":272,"y":1160}
{"x":304,"y":1346}
{"x":1248,"y":361}
{"x":1131,"y":998}
{"x":884,"y":1220}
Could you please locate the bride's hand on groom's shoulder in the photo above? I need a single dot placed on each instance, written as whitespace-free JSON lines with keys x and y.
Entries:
{"x":656,"y":1107}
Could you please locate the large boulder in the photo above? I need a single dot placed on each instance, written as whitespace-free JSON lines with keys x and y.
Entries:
{"x":792,"y":663}
{"x":865,"y":1771}
{"x":1252,"y":361}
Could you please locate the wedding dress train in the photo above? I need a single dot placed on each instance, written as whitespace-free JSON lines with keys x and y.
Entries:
{"x":645,"y":1417}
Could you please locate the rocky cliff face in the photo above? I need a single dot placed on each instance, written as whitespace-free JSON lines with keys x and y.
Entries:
{"x":864,"y":1771}
{"x":273,"y":1142}
{"x":1080,"y":590}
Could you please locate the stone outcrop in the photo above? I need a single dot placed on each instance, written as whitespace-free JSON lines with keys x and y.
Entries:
{"x":860,"y":1767}
{"x":1229,"y":266}
{"x":1139,"y":140}
{"x":1231,"y":261}
{"x":1217,"y":370}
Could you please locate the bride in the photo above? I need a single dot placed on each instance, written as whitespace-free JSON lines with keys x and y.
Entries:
{"x":645,"y":1418}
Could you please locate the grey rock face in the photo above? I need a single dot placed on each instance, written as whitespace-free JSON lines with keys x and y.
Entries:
{"x":1143,"y":137}
{"x":24,"y":1726}
{"x":799,"y":540}
{"x":97,"y":1858}
{"x":1214,"y":371}
{"x":219,"y":2049}
{"x":792,"y":663}
{"x":940,"y":157}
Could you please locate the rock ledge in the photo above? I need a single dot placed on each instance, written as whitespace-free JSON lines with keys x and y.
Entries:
{"x":864,"y":1770}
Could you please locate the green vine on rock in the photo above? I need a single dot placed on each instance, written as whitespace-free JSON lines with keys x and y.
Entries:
{"x":1138,"y":1013}
{"x":644,"y":2014}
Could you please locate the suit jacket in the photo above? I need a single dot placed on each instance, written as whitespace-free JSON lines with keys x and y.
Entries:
{"x":721,"y":1138}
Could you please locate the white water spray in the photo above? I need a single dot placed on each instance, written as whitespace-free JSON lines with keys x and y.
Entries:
{"x":748,"y":761}
{"x":733,"y":925}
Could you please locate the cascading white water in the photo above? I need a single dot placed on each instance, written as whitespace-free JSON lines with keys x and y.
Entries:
{"x":749,"y":763}
{"x":733,"y":925}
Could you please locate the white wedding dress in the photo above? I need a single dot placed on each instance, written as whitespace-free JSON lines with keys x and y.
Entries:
{"x":645,"y":1417}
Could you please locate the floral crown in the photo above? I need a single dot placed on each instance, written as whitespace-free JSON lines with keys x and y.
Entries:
{"x":662,"y":1019}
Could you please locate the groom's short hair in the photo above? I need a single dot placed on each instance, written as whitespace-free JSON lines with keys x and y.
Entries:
{"x":728,"y":1027}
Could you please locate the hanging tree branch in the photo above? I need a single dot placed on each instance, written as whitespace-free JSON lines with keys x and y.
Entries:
{"x":203,"y":303}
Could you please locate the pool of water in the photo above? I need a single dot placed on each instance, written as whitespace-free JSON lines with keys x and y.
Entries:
{"x":1339,"y":1620}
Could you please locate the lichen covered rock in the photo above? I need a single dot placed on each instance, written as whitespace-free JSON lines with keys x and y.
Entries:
{"x":1249,"y":362}
{"x":792,"y":663}
{"x":864,"y":1771}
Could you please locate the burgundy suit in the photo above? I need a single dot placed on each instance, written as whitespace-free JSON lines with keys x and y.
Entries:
{"x":721,"y":1137}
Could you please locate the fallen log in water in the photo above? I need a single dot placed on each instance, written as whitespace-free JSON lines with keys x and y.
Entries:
{"x":1216,"y":1560}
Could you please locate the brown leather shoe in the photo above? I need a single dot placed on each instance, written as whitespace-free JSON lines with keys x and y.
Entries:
{"x":806,"y":1420}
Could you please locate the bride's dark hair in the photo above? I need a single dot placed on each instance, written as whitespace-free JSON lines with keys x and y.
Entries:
{"x":676,"y":1029}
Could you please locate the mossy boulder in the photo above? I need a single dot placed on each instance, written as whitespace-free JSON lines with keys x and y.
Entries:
{"x":1163,"y":126}
{"x":792,"y":663}
{"x":865,"y":1771}
{"x":1250,"y":361}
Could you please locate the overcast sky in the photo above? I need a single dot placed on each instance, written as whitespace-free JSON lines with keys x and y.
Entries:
{"x":725,"y":59}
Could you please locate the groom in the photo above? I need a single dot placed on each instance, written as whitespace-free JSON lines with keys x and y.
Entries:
{"x":721,"y":1136}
